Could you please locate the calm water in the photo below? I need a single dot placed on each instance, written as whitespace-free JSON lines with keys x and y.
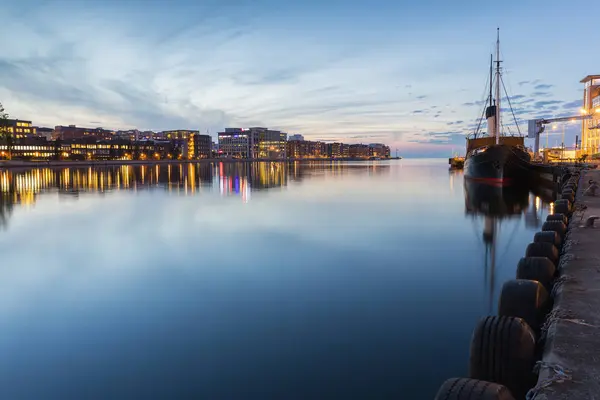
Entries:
{"x":248,"y":281}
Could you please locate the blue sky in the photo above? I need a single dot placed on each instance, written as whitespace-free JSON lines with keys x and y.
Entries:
{"x":403,"y":73}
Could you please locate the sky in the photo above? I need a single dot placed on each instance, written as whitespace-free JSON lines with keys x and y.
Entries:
{"x":410,"y":74}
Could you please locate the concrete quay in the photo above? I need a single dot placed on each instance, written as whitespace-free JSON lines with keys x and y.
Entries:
{"x":570,"y":367}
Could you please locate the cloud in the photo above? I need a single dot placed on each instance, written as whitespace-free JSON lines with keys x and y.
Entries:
{"x":367,"y":136}
{"x":523,"y":83}
{"x":422,"y":97}
{"x":515,"y":97}
{"x":455,"y":122}
{"x":543,"y":86}
{"x":439,"y":138}
{"x":545,"y":103}
{"x":541,"y":94}
{"x":573,"y":104}
{"x":475,"y":103}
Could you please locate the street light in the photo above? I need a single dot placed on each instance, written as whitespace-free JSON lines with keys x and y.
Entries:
{"x":583,"y":111}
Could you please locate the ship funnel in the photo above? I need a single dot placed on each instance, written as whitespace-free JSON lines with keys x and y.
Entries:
{"x":490,"y":115}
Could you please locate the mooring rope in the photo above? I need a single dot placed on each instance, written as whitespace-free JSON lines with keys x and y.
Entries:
{"x":559,"y":374}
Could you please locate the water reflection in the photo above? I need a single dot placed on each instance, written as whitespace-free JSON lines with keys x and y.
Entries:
{"x":22,"y":187}
{"x":324,"y":275}
{"x":496,"y":205}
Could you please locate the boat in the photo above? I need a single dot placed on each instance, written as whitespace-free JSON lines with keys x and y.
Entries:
{"x":456,"y":162}
{"x":496,"y":158}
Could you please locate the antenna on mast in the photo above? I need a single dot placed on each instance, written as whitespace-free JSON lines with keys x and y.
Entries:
{"x":498,"y":109}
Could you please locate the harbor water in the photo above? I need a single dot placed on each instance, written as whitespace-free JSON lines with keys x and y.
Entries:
{"x":250,"y":280}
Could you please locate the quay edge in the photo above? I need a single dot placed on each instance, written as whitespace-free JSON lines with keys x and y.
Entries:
{"x":573,"y":337}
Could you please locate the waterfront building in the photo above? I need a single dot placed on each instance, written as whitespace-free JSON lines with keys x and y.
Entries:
{"x":234,"y":143}
{"x":76,"y":132}
{"x":338,"y":150}
{"x":295,"y":137}
{"x":359,"y":151}
{"x":20,"y":128}
{"x":30,"y":148}
{"x":118,"y":149}
{"x":202,"y":145}
{"x":307,"y":149}
{"x":590,"y":128}
{"x":183,"y":134}
{"x":267,"y":143}
{"x":255,"y":142}
{"x":297,"y":148}
{"x":44,"y":132}
{"x":379,"y":150}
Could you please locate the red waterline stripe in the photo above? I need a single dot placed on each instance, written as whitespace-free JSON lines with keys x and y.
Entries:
{"x":491,"y":181}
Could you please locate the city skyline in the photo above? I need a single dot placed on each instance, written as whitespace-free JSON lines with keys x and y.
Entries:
{"x":407,"y":76}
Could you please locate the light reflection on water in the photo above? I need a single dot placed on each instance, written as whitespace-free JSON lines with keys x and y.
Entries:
{"x":264,"y":280}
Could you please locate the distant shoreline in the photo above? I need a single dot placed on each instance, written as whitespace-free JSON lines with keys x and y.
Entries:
{"x":99,"y":163}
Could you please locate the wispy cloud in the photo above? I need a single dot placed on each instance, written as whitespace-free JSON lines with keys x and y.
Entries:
{"x":573,"y":104}
{"x":541,"y":94}
{"x":545,"y":103}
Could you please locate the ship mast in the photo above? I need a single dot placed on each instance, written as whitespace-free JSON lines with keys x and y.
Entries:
{"x":498,"y":87}
{"x":491,"y":98}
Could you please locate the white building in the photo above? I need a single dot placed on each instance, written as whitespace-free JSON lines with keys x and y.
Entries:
{"x":256,"y":142}
{"x":234,"y":143}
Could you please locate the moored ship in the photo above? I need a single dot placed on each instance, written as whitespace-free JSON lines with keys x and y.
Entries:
{"x":496,"y":158}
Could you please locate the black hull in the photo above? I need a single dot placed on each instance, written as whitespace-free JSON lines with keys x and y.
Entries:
{"x":499,"y":164}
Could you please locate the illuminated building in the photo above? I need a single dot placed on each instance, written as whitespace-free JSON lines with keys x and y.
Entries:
{"x":20,"y":128}
{"x":75,"y":132}
{"x":338,"y":150}
{"x":183,"y":134}
{"x":359,"y":151}
{"x":266,"y":143}
{"x":590,"y":128}
{"x":28,"y":148}
{"x":202,"y":146}
{"x":234,"y":143}
{"x":307,"y":149}
{"x":379,"y":150}
{"x":254,"y":142}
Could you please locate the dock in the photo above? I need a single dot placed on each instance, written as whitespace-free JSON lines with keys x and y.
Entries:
{"x":570,"y":367}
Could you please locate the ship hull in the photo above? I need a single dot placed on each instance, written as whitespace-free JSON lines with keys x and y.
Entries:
{"x":499,"y":165}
